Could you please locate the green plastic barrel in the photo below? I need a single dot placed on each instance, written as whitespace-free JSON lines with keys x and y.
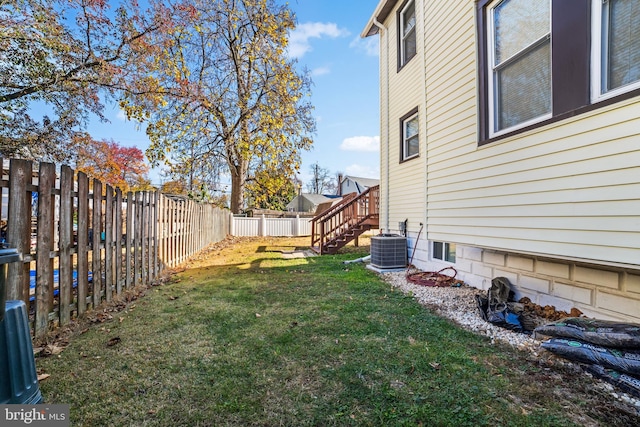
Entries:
{"x":7,"y":255}
{"x":18,"y":378}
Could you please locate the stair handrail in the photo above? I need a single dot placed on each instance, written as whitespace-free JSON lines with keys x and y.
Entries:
{"x":347,"y":202}
{"x":345,"y":199}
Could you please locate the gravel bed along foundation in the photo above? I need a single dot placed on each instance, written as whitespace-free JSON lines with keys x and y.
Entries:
{"x":459,"y":305}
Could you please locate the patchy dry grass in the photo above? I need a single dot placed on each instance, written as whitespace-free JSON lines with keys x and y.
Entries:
{"x":244,"y":337}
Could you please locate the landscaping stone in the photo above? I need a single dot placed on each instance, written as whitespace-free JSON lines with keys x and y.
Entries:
{"x":459,"y":305}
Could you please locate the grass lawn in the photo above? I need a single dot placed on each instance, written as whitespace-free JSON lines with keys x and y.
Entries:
{"x":245,"y":337}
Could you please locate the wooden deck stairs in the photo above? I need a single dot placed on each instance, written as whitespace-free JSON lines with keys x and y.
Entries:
{"x":345,"y":221}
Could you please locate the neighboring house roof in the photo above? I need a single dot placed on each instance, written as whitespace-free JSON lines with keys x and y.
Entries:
{"x":382,"y":12}
{"x":316,"y":198}
{"x":364,"y":182}
{"x":360,"y":183}
{"x":311,"y":199}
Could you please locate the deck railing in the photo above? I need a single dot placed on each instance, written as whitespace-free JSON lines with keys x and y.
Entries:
{"x":353,"y":211}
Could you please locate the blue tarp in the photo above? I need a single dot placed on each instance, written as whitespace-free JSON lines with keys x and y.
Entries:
{"x":56,"y":274}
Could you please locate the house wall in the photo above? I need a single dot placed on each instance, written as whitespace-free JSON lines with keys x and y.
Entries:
{"x":554,"y":209}
{"x":568,"y":189}
{"x":301,"y":204}
{"x":349,"y":186}
{"x":404,"y":195}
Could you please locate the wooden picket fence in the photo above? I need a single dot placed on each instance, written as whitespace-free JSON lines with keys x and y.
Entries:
{"x":84,"y":243}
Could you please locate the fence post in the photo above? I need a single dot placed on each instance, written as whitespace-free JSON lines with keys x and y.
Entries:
{"x":144,"y":236}
{"x":137,"y":239}
{"x":65,"y":270}
{"x":44,"y":263}
{"x":163,"y":231}
{"x":295,"y":226}
{"x":18,"y":225}
{"x":130,"y":231}
{"x":108,"y":240}
{"x":155,"y":241}
{"x":96,"y":227}
{"x":83,"y":241}
{"x":118,"y":260}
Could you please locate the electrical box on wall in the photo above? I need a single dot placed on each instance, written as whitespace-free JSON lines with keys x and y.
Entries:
{"x":402,"y":227}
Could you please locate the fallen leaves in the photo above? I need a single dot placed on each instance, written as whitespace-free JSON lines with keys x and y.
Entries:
{"x":48,"y":350}
{"x":100,"y":317}
{"x":548,"y":311}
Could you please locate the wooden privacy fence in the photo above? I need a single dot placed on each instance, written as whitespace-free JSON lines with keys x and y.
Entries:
{"x":83,"y":242}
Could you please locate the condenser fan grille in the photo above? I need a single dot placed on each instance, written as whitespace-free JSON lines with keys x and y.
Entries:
{"x":389,"y":251}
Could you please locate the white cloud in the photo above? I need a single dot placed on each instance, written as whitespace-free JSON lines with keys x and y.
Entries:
{"x":299,"y":38}
{"x":363,"y":171}
{"x":361,"y":143}
{"x":121,"y":116}
{"x":320,"y":71}
{"x":370,"y":45}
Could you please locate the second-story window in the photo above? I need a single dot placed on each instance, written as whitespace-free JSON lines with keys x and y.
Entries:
{"x":407,"y":33}
{"x":410,"y":144}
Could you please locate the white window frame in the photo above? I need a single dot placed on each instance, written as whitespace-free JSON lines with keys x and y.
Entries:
{"x":598,"y":56}
{"x":405,"y":141}
{"x":492,"y":69}
{"x":403,"y":54}
{"x":445,"y":250}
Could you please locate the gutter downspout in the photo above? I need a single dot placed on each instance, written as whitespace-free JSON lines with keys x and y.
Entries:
{"x":383,"y":31}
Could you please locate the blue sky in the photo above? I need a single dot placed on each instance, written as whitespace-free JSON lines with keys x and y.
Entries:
{"x":344,"y":70}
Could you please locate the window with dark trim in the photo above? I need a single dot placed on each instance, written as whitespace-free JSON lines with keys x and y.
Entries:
{"x":541,"y":61}
{"x":410,"y":135}
{"x":406,"y":33}
{"x":616,"y":54}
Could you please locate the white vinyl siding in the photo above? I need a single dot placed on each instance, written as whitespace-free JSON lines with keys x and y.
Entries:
{"x":569,"y":189}
{"x":406,"y":188}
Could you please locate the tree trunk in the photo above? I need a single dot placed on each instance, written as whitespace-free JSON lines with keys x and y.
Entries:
{"x":238,"y":180}
{"x":239,"y":168}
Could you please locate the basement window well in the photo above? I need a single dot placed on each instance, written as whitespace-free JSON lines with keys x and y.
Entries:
{"x":443,"y":251}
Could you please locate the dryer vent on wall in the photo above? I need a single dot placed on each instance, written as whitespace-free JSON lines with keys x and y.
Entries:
{"x":389,"y":251}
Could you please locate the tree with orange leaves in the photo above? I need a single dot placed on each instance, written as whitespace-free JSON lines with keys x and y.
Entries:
{"x":71,"y":56}
{"x":120,"y":167}
{"x":235,"y":97}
